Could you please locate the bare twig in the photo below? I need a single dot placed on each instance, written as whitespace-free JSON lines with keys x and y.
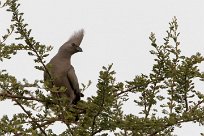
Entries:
{"x":97,"y":131}
{"x":128,"y":90}
{"x":196,"y":106}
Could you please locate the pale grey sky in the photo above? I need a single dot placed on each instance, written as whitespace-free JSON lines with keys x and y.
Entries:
{"x":116,"y":31}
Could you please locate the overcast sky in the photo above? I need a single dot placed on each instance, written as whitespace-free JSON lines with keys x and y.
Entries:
{"x":116,"y":31}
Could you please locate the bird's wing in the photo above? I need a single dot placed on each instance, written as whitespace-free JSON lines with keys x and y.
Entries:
{"x":73,"y":80}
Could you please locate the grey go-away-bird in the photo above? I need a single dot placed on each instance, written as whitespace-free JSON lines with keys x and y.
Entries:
{"x":62,"y":73}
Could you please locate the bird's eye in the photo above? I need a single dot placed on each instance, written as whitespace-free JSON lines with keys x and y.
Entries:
{"x":73,"y":44}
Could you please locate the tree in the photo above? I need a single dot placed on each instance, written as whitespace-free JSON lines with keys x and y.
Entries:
{"x":166,"y":96}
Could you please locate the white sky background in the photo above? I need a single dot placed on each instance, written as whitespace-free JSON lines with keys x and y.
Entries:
{"x":116,"y":31}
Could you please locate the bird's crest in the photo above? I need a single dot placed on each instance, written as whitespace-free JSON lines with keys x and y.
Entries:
{"x":77,"y":37}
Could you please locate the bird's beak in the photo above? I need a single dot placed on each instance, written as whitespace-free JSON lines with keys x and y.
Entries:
{"x":79,"y":49}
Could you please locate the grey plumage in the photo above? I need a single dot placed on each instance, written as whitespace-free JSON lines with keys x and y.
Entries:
{"x":62,"y":73}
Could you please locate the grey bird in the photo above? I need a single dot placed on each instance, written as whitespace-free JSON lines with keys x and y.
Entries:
{"x":60,"y":71}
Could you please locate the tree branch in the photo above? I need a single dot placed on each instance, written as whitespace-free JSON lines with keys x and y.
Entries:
{"x":97,"y":114}
{"x":20,"y":97}
{"x":173,"y":124}
{"x":29,"y":115}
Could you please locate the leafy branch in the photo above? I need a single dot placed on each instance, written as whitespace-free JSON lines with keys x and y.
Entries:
{"x":164,"y":99}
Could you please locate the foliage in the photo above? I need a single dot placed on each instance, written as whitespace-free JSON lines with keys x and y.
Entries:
{"x":167,"y":96}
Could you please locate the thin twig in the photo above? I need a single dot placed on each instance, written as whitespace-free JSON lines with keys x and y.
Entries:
{"x":196,"y":106}
{"x":128,"y":90}
{"x":70,"y":130}
{"x":50,"y":121}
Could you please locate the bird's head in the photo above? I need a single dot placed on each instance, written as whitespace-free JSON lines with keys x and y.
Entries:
{"x":73,"y":44}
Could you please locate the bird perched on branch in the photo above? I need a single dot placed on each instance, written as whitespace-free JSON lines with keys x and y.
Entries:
{"x":60,"y":72}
